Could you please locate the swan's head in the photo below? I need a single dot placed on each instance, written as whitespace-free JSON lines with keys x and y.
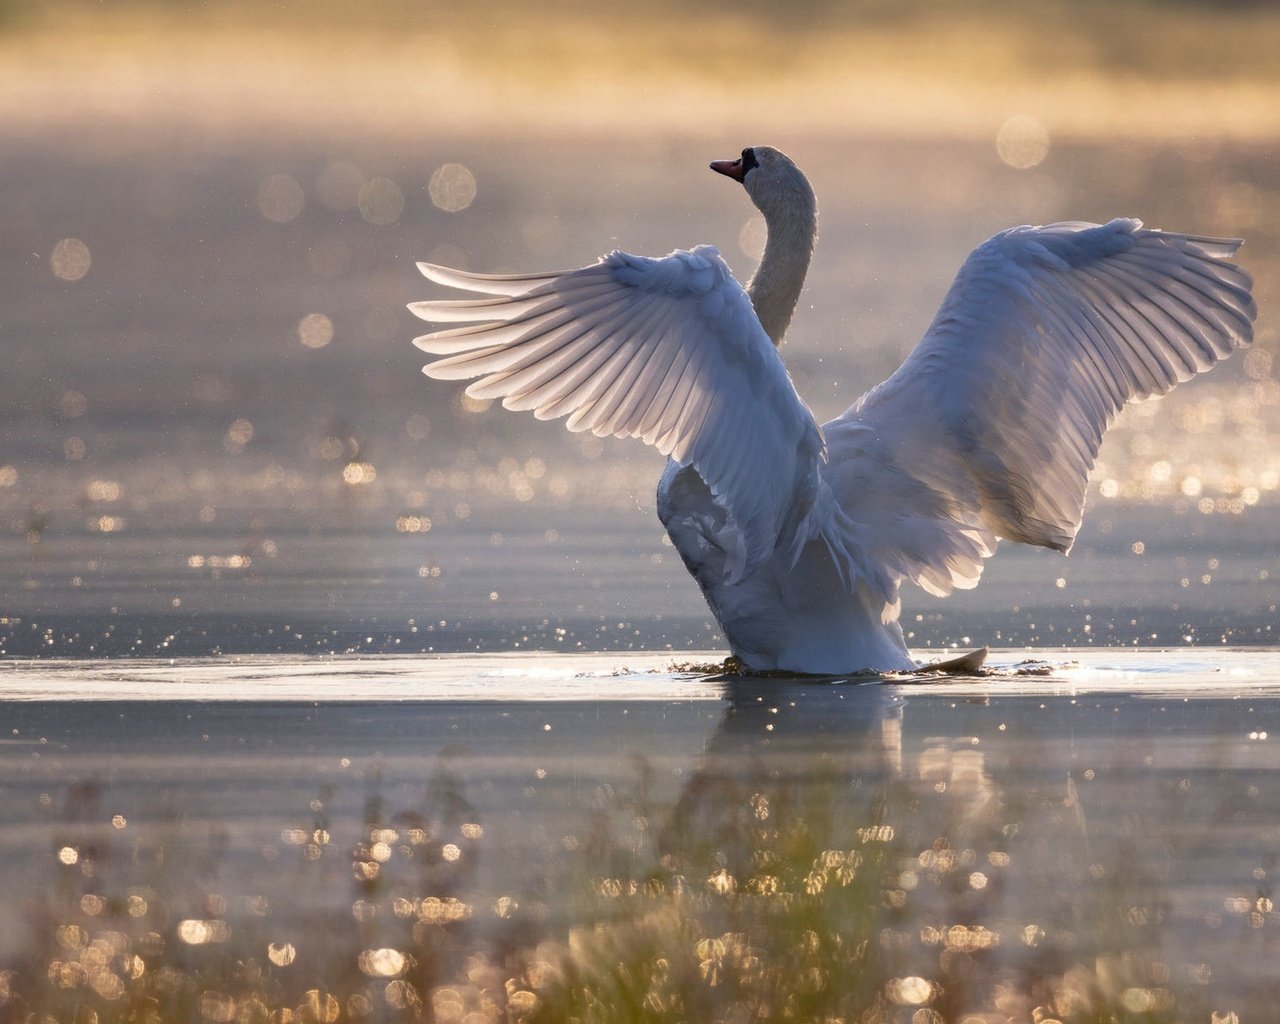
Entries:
{"x":772,"y":181}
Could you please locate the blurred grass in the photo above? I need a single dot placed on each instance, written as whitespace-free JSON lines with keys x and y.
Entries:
{"x":952,"y":69}
{"x":798,"y":874}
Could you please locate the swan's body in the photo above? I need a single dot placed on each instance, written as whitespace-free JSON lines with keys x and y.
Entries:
{"x":801,"y":536}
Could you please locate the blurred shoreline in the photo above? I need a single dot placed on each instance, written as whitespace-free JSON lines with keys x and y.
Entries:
{"x":222,"y":70}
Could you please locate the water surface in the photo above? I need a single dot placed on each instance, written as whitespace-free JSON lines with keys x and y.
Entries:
{"x":274,"y":745}
{"x":615,"y":837}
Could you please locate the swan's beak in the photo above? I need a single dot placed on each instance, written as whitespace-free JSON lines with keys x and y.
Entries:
{"x":730,"y":168}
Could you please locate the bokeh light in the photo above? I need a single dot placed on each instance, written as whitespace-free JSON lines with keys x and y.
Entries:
{"x":358,"y":474}
{"x":198,"y":932}
{"x":72,"y":404}
{"x":103,"y":490}
{"x":911,"y":990}
{"x":381,"y":201}
{"x":752,"y":237}
{"x":70,"y":259}
{"x":1022,"y":142}
{"x":452,"y":188}
{"x":239,"y":434}
{"x":280,"y":198}
{"x":418,"y":427}
{"x":315,"y":330}
{"x":382,"y":963}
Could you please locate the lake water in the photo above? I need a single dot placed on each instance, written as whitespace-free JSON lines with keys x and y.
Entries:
{"x":620,"y":837}
{"x":326,"y":695}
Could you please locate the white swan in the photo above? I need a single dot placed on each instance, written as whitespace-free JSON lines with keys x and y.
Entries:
{"x":800,"y":536}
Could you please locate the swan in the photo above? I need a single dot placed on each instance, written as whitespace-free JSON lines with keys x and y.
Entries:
{"x":800,"y":536}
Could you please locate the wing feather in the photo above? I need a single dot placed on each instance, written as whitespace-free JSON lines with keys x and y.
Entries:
{"x":543,"y":359}
{"x":641,"y":389}
{"x":574,"y":382}
{"x":1170,"y":321}
{"x":666,"y":350}
{"x":599,"y":365}
{"x":990,"y":427}
{"x":488,"y":284}
{"x":1148,"y":371}
{"x":1199,"y":313}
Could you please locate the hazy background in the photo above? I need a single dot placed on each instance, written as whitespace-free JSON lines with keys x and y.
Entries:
{"x":213,"y":431}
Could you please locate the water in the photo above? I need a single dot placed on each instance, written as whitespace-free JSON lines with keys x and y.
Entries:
{"x":1093,"y":832}
{"x":181,"y":475}
{"x":326,"y":695}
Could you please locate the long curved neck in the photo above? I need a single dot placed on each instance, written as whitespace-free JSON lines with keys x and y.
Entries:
{"x":775,"y":287}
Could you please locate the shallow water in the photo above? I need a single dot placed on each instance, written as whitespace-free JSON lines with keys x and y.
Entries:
{"x":1093,"y":832}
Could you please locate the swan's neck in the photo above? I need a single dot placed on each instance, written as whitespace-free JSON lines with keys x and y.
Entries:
{"x":775,"y":287}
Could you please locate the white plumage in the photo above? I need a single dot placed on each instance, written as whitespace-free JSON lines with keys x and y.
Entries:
{"x":800,"y":537}
{"x":666,"y":350}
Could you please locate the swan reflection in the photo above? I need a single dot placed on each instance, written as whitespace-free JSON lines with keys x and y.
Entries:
{"x":795,"y":851}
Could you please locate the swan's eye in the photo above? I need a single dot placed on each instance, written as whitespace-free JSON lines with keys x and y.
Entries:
{"x":748,"y":161}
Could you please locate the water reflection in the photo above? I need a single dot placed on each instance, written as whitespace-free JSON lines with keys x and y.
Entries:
{"x":828,"y":852}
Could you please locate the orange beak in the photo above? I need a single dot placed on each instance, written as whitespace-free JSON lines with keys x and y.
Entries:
{"x":730,"y":168}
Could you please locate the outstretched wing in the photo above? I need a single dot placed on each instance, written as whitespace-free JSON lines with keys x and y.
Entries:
{"x":990,"y":427}
{"x":666,"y":350}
